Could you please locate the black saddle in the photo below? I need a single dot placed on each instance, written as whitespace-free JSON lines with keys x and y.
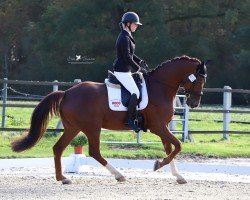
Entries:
{"x":125,"y":94}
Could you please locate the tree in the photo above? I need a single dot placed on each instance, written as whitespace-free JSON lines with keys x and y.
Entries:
{"x":14,"y":17}
{"x":47,"y":33}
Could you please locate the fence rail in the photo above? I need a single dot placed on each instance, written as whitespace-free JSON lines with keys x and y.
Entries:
{"x":180,"y":109}
{"x":41,"y":83}
{"x":18,"y":105}
{"x":243,"y":91}
{"x":52,"y":83}
{"x":220,"y":111}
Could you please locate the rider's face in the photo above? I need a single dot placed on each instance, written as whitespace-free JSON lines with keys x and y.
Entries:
{"x":133,"y":27}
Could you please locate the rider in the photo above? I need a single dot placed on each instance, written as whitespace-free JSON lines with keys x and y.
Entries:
{"x":125,"y":61}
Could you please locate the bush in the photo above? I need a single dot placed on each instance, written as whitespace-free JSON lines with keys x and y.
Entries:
{"x":79,"y":140}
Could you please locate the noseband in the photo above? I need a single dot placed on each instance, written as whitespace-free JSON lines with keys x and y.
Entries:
{"x":193,"y":80}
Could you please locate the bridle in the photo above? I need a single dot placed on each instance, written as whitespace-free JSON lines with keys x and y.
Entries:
{"x":193,"y":80}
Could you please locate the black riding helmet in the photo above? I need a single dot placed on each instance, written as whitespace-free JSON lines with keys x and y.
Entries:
{"x":131,"y":17}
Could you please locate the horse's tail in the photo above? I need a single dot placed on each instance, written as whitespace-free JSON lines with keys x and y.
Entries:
{"x":39,"y":121}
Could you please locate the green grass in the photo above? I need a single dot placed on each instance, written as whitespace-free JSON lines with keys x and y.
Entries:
{"x":42,"y":149}
{"x":237,"y":146}
{"x":20,"y":117}
{"x":205,"y":145}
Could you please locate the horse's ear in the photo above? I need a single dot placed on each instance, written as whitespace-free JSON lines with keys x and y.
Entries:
{"x":207,"y":62}
{"x":202,"y":68}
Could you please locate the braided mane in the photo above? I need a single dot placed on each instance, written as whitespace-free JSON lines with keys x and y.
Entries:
{"x":183,"y":57}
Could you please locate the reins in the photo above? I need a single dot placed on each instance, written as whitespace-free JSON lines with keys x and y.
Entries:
{"x":188,"y":92}
{"x":192,"y":79}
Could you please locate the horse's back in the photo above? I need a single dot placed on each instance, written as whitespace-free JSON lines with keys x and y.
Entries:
{"x":88,"y":86}
{"x":85,"y":97}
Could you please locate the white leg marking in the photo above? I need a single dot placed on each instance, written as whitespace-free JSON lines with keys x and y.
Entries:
{"x":176,"y":173}
{"x":113,"y":171}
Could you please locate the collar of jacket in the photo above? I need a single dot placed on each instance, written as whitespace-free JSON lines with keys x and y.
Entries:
{"x":127,"y":34}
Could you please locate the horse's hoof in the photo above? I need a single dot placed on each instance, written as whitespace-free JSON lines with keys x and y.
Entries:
{"x":157,"y":165}
{"x":181,"y":181}
{"x":66,"y":182}
{"x":121,"y":179}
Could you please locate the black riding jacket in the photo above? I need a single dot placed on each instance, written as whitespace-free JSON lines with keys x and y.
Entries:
{"x":125,"y":47}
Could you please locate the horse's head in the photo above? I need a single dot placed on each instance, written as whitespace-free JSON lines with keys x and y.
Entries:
{"x":193,"y":85}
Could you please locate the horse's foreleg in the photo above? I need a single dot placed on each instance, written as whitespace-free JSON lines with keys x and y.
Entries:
{"x":94,"y":151}
{"x":174,"y":170}
{"x":179,"y":178}
{"x":58,"y":149}
{"x":167,"y":136}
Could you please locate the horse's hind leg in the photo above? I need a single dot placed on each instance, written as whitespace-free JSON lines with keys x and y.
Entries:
{"x":58,"y":149}
{"x":94,"y":151}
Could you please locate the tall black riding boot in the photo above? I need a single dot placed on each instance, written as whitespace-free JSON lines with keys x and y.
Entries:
{"x":131,"y":112}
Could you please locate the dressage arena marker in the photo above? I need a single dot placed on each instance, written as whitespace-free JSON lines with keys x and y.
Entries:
{"x":76,"y":160}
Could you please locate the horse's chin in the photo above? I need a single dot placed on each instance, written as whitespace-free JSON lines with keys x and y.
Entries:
{"x":192,"y":104}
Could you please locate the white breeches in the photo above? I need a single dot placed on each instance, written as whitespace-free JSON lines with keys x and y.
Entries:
{"x":128,"y":82}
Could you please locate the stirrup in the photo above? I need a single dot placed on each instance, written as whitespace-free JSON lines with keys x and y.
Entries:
{"x":132,"y":125}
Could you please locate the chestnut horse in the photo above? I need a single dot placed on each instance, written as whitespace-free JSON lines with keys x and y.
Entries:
{"x":84,"y":107}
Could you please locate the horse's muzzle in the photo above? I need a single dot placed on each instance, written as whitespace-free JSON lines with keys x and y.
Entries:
{"x":192,"y":103}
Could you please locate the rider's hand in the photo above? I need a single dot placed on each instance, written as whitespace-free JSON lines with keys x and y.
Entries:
{"x":144,"y":65}
{"x":143,"y":70}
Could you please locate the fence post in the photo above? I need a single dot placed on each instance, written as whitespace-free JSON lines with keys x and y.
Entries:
{"x":138,"y":137}
{"x":227,"y":101}
{"x":77,"y":81}
{"x":55,"y":87}
{"x":4,"y":96}
{"x":186,"y":117}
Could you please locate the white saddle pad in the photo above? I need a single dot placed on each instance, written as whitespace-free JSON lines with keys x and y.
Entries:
{"x":114,"y":96}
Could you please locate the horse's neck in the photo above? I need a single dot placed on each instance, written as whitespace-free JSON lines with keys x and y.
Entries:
{"x":169,"y":77}
{"x":174,"y":74}
{"x":162,"y":88}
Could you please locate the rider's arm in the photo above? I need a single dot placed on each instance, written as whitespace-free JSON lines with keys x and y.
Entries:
{"x":127,"y":55}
